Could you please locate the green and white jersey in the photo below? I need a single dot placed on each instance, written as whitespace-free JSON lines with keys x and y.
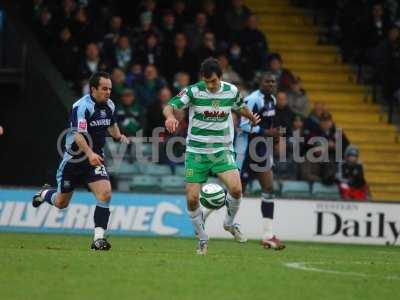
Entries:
{"x":210,"y":116}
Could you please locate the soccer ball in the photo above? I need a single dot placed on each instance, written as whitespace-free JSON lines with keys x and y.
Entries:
{"x":212,"y":196}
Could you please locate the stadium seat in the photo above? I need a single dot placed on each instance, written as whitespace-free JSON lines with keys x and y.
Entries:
{"x":295,"y":189}
{"x":124,"y":168}
{"x":156,"y":169}
{"x":180,"y":170}
{"x":255,"y":187}
{"x":172,"y":183}
{"x":145,"y":182}
{"x":328,"y":192}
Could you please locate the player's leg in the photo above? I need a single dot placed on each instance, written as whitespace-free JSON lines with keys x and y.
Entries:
{"x":196,"y":173}
{"x":102,"y":190}
{"x":269,"y":240}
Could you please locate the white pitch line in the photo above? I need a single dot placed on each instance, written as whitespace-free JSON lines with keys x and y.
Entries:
{"x":302,"y":266}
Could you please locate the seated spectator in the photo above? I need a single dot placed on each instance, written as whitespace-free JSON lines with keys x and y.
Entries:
{"x":296,"y":141}
{"x":285,"y":78}
{"x":134,"y":75}
{"x":150,"y":52}
{"x":181,"y":80}
{"x":351,"y":179}
{"x":65,"y":15}
{"x":240,"y":62}
{"x":196,"y":31}
{"x":208,"y":47}
{"x":123,"y":54}
{"x":181,"y":14}
{"x":82,"y":29}
{"x":236,"y":17}
{"x":168,"y":28}
{"x":114,"y":31}
{"x":128,"y":113}
{"x":91,"y":63}
{"x":215,"y":22}
{"x":154,"y":115}
{"x":180,"y":59}
{"x":254,"y":44}
{"x":311,"y":123}
{"x":44,"y":27}
{"x":283,"y":114}
{"x":297,"y":98}
{"x":228,"y":74}
{"x":65,"y":54}
{"x":147,"y":89}
{"x":118,"y":84}
{"x":146,"y":27}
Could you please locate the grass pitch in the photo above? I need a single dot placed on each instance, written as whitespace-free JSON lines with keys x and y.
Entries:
{"x":48,"y":266}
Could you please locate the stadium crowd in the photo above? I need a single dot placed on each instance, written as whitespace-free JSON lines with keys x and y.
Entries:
{"x":153,"y":49}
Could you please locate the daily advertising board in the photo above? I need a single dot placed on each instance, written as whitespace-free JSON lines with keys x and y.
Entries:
{"x":166,"y":215}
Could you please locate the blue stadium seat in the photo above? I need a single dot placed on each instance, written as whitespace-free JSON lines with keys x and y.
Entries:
{"x":146,"y":182}
{"x":295,"y":189}
{"x":255,"y":187}
{"x":326,"y":192}
{"x":156,"y":169}
{"x":172,"y":183}
{"x":180,"y":170}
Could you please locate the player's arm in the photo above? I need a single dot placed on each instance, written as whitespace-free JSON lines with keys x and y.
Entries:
{"x":248,"y":114}
{"x":180,"y":101}
{"x":116,"y":134}
{"x":94,"y":158}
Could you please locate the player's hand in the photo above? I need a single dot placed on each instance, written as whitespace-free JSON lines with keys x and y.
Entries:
{"x":171,"y":124}
{"x":124,"y":140}
{"x":255,"y":119}
{"x":95,"y":159}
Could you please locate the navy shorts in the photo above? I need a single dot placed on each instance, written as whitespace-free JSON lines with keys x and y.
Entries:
{"x":255,"y":161}
{"x":73,"y":174}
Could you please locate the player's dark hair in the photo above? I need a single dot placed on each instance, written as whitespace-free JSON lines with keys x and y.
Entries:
{"x":210,"y":66}
{"x":94,"y":80}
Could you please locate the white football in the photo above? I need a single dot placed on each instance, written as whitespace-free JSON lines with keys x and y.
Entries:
{"x":212,"y":196}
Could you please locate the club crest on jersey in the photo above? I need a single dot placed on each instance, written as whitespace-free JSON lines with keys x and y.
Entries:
{"x":103,"y":113}
{"x":215,"y":104}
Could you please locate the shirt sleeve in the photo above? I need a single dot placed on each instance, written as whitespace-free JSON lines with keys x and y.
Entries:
{"x":238,"y":102}
{"x":244,"y":122}
{"x":181,"y":100}
{"x":79,"y":122}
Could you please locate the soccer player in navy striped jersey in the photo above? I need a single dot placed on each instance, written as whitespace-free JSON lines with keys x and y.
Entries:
{"x":92,"y":117}
{"x":255,"y":159}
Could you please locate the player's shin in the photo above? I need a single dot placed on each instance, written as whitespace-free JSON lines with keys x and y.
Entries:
{"x":101,"y":216}
{"x":196,"y":216}
{"x":49,"y":196}
{"x":267,"y":211}
{"x":232,"y":207}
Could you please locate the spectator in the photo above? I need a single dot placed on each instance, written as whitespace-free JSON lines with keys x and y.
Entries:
{"x":236,"y":17}
{"x":228,"y":74}
{"x":180,"y":59}
{"x":297,"y":98}
{"x":374,"y":28}
{"x":154,"y":116}
{"x":240,"y":62}
{"x":45,"y":28}
{"x":65,"y":54}
{"x":129,"y":114}
{"x":147,"y":90}
{"x":311,"y":123}
{"x":214,"y":21}
{"x":208,"y":47}
{"x":118,"y":84}
{"x":181,"y":80}
{"x":134,"y":75}
{"x":82,"y":29}
{"x":284,"y":76}
{"x":91,"y":63}
{"x":123,"y":53}
{"x":150,"y":52}
{"x":149,"y":7}
{"x":283,"y":114}
{"x":168,"y":28}
{"x":254,"y":43}
{"x":181,"y":14}
{"x":196,"y":31}
{"x":351,"y":179}
{"x":111,"y":38}
{"x":1,"y":130}
{"x":66,"y":15}
{"x":146,"y":27}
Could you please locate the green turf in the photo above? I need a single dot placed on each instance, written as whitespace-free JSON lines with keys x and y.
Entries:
{"x":49,"y":266}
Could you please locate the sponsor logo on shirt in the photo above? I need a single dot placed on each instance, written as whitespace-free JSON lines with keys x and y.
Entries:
{"x":82,"y":124}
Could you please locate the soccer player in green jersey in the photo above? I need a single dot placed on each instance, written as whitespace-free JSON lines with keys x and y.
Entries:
{"x":209,"y":144}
